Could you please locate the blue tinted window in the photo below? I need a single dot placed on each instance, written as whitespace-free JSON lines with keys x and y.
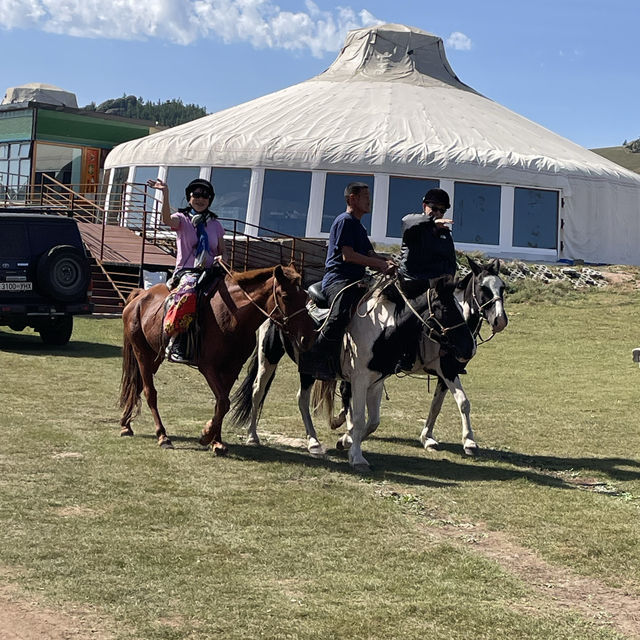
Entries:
{"x":232,"y":195}
{"x":334,"y":203}
{"x":476,"y":213}
{"x":285,"y":202}
{"x":137,"y":202}
{"x":535,"y":218}
{"x":405,"y":196}
{"x":177,"y":179}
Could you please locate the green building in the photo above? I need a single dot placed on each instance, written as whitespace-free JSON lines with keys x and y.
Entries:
{"x":42,"y":132}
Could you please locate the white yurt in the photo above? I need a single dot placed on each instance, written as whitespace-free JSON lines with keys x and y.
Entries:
{"x":391,"y":112}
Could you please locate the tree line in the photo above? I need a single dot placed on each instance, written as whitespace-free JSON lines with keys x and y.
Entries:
{"x":167,"y":113}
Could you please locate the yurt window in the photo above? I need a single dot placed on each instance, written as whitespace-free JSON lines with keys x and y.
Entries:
{"x":232,"y":195}
{"x":285,"y":202}
{"x":114,"y":209}
{"x":177,"y":180}
{"x":136,"y":203}
{"x":334,"y":203}
{"x":476,"y":213}
{"x":535,"y":218}
{"x":405,"y":196}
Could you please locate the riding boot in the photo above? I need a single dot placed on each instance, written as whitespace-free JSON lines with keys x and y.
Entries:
{"x":321,"y":361}
{"x":178,"y":349}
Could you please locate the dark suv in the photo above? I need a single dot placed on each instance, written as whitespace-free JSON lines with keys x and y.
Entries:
{"x":44,"y":274}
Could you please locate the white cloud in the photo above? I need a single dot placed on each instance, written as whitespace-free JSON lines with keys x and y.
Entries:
{"x":259,"y":22}
{"x":459,"y":41}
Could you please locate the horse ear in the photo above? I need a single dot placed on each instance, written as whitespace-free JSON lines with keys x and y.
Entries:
{"x":280,"y":275}
{"x":474,"y":266}
{"x":461,"y":283}
{"x":442,"y":285}
{"x":494,"y":266}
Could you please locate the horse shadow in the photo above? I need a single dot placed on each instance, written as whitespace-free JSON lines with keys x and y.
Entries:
{"x":410,"y":470}
{"x":33,"y":345}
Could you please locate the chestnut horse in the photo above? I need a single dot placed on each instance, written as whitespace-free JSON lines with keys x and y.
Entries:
{"x":227,"y":336}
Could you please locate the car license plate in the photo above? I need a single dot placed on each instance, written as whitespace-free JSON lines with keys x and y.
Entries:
{"x":16,"y":286}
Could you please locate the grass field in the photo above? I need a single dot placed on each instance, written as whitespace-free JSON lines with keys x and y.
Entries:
{"x":538,"y":537}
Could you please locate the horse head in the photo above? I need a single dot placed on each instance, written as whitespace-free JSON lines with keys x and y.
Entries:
{"x":486,"y":293}
{"x":445,"y":321}
{"x":290,"y":307}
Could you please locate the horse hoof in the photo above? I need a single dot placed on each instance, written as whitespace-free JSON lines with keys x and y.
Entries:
{"x":317,"y":451}
{"x":165,"y":443}
{"x":220,"y":449}
{"x":204,"y":441}
{"x":126,"y":432}
{"x":471,"y":450}
{"x":362,"y":468}
{"x":253,"y":441}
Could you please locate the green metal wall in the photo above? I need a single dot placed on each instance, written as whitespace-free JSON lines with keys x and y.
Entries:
{"x":15,"y":125}
{"x":70,"y":128}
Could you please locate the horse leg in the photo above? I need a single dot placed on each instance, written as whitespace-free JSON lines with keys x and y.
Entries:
{"x":345,"y":392}
{"x":464,"y":406}
{"x":426,"y":436}
{"x":374,"y":399}
{"x":314,"y":446}
{"x":264,"y":377}
{"x":149,"y":362}
{"x":356,"y":423}
{"x":221,"y":385}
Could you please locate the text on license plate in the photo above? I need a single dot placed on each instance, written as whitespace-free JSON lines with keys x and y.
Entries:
{"x":16,"y":286}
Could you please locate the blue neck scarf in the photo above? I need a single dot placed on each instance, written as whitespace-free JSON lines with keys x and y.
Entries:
{"x":199,"y":221}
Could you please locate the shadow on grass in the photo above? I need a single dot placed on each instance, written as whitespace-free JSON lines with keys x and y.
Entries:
{"x":417,"y":470}
{"x":613,"y":467}
{"x":33,"y":345}
{"x":617,"y":468}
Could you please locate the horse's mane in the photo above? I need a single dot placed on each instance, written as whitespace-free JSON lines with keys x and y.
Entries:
{"x":263,"y":274}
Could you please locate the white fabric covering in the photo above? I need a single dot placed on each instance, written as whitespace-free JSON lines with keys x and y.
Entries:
{"x":391,"y":104}
{"x":38,"y":92}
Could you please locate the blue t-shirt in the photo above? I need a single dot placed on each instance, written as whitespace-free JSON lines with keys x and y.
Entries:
{"x":346,"y":231}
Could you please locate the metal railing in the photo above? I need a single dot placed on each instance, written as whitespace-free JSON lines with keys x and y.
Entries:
{"x":134,"y":206}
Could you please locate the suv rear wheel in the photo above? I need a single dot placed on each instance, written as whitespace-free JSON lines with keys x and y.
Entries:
{"x":63,"y":273}
{"x":57,"y":332}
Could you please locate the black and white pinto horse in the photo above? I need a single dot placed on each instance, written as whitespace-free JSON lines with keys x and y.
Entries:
{"x":481,"y":295}
{"x":432,"y":327}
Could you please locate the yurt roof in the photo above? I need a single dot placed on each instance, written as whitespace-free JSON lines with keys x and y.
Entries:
{"x":390,"y":102}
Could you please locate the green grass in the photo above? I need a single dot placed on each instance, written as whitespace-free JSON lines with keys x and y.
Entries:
{"x":271,"y":543}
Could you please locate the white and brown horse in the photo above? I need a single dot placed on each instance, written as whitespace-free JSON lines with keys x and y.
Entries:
{"x":383,"y":327}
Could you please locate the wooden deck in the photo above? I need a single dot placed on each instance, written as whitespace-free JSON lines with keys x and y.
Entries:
{"x":122,"y":246}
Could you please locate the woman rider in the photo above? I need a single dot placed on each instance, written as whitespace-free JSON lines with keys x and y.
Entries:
{"x":200,"y":244}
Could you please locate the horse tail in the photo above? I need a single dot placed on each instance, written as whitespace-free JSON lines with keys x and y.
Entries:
{"x":242,"y":399}
{"x":322,"y":397}
{"x":131,"y":382}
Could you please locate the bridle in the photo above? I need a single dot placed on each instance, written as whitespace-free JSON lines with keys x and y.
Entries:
{"x":284,"y":320}
{"x":440,"y":331}
{"x":481,"y":308}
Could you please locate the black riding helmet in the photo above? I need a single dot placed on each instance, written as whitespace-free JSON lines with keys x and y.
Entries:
{"x":438,"y":197}
{"x":202,"y":185}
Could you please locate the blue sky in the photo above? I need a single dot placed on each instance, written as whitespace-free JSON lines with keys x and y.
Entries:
{"x":573,"y":66}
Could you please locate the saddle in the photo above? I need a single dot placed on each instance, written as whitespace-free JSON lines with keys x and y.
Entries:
{"x":318,"y":308}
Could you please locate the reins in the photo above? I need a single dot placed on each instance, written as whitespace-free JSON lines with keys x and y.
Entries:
{"x":443,"y":330}
{"x":282,"y":324}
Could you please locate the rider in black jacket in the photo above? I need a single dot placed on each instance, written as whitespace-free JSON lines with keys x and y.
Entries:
{"x":427,"y":251}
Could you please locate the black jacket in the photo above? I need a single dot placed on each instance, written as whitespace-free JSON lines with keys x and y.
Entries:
{"x":427,"y":249}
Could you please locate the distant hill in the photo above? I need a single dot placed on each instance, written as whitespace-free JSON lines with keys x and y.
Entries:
{"x":168,"y":113}
{"x":627,"y":155}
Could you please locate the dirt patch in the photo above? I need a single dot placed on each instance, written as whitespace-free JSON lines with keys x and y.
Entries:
{"x":603,"y":605}
{"x":22,"y":619}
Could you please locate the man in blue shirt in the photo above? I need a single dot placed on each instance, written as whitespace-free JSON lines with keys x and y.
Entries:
{"x":349,"y":252}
